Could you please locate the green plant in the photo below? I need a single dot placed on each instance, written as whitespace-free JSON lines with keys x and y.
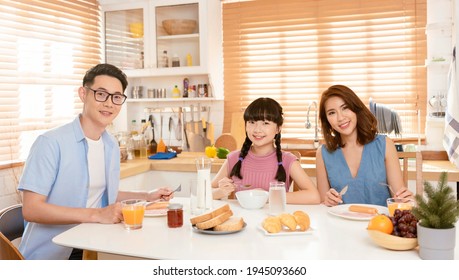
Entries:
{"x":438,"y":208}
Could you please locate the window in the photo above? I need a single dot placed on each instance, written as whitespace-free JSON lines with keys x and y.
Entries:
{"x":45,"y":49}
{"x":292,"y":50}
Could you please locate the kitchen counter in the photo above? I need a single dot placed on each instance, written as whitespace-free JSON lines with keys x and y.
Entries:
{"x":184,"y":162}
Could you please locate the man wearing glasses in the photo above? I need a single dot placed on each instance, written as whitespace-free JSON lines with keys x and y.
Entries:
{"x":72,"y":173}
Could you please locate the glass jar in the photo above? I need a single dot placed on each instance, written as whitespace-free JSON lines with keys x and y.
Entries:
{"x":175,"y":215}
{"x":175,"y":61}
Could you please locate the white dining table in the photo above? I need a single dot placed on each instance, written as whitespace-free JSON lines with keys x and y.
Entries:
{"x":331,"y":238}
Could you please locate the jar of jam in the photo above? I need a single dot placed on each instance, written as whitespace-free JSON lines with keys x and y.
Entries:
{"x":175,"y":215}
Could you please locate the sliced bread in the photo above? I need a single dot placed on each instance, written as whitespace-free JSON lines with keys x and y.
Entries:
{"x":215,"y":221}
{"x":232,"y":224}
{"x":209,"y":215}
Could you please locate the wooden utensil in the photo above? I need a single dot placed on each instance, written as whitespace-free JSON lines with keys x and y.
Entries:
{"x":161,"y":146}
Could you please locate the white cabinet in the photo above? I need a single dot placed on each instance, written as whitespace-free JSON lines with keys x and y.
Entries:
{"x":126,"y":34}
{"x":135,"y":37}
{"x":139,"y":54}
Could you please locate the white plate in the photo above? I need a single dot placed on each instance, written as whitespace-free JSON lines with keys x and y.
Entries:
{"x":343,"y":212}
{"x":285,"y":232}
{"x":156,"y":212}
{"x":214,"y":232}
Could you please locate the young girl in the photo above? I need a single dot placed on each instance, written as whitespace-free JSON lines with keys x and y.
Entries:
{"x":354,"y":155}
{"x":261,"y":159}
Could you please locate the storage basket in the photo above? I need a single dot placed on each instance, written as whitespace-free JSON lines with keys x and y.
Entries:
{"x":179,"y":26}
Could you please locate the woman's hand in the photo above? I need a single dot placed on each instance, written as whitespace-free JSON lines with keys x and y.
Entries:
{"x":332,"y":198}
{"x":404,"y":193}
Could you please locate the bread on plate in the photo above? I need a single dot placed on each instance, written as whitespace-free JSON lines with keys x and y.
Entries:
{"x":215,"y":221}
{"x":232,"y":224}
{"x":210,"y":214}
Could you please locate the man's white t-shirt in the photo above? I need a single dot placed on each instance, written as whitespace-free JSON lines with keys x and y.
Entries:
{"x":96,"y":165}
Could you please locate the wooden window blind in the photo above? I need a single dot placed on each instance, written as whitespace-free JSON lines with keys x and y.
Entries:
{"x":292,"y":50}
{"x":45,"y":49}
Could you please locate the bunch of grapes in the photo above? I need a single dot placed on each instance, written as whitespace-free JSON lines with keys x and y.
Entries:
{"x":404,"y":224}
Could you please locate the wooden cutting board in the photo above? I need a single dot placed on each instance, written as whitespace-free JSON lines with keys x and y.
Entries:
{"x":226,"y":140}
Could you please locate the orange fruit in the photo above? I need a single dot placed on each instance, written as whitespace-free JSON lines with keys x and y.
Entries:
{"x":381,"y":223}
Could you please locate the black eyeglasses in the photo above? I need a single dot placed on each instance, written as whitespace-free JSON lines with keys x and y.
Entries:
{"x":102,"y":96}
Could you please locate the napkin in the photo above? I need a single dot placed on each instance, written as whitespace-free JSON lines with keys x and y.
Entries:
{"x":451,"y":136}
{"x":162,"y":155}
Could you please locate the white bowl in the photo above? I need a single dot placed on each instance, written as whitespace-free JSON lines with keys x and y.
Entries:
{"x":252,"y":199}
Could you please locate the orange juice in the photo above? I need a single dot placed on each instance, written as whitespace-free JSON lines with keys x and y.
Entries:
{"x":398,"y":203}
{"x":133,"y":211}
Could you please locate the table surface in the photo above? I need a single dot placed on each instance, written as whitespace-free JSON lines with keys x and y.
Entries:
{"x":333,"y":237}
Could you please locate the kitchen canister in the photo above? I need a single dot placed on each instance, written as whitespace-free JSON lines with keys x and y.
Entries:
{"x":136,"y":92}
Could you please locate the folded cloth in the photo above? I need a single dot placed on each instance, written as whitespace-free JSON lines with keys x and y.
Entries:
{"x":451,"y":137}
{"x":161,"y":155}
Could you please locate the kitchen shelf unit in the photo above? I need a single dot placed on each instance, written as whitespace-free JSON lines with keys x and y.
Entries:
{"x":121,"y":48}
{"x":141,"y":63}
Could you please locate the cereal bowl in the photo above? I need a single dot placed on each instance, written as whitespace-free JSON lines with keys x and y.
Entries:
{"x":252,"y":199}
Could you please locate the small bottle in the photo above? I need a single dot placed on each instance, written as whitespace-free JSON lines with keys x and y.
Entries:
{"x":175,"y":215}
{"x":142,"y":59}
{"x":189,"y":60}
{"x":201,"y":92}
{"x":175,"y":61}
{"x":164,"y":63}
{"x":192,"y":91}
{"x":185,"y":87}
{"x":176,"y":92}
{"x":143,"y":126}
{"x":143,"y":146}
{"x":134,"y":128}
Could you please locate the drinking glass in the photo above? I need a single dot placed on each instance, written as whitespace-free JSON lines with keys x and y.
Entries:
{"x":133,"y":212}
{"x":277,"y":198}
{"x":399,"y":203}
{"x":203,"y":183}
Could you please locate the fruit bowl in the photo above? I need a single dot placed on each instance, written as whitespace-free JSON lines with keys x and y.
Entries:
{"x":392,"y":242}
{"x":179,"y":26}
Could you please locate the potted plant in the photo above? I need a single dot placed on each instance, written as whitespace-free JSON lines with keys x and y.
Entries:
{"x":437,"y":211}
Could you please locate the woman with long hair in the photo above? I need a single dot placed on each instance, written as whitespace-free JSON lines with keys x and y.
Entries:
{"x":354,"y":154}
